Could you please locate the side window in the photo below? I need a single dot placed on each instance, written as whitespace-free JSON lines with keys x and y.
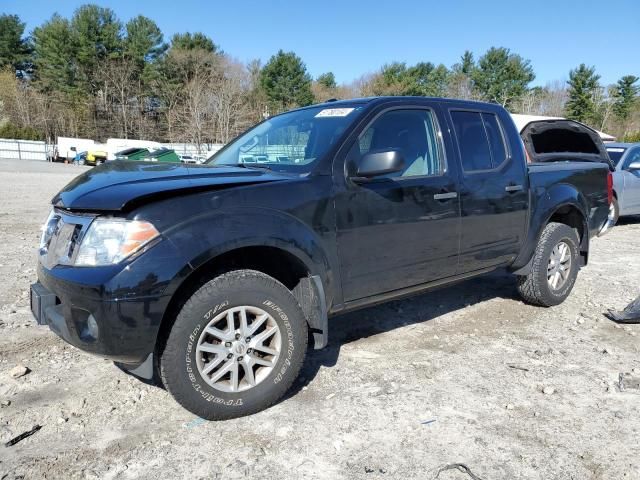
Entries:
{"x":472,"y":139}
{"x":496,"y":139}
{"x":632,"y":157}
{"x":481,"y":140}
{"x":411,"y":131}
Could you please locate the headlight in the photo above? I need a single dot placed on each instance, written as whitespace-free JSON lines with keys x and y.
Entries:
{"x":110,"y":240}
{"x":48,"y":229}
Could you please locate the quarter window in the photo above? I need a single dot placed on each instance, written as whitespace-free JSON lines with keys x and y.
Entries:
{"x":480,"y":140}
{"x":414,"y":133}
{"x":496,"y":139}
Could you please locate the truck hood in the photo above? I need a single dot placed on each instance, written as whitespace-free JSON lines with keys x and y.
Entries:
{"x":123,"y":185}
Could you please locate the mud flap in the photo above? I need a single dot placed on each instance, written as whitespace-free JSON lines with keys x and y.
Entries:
{"x":144,"y":371}
{"x":631,"y":313}
{"x":310,"y":295}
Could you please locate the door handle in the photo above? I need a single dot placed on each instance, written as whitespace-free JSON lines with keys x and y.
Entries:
{"x":445,"y":196}
{"x":513,"y":188}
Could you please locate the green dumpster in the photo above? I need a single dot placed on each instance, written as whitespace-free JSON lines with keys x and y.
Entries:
{"x":163,"y":155}
{"x":132,"y":154}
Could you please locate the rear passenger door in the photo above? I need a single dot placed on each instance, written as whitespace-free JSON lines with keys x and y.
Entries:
{"x":493,"y":190}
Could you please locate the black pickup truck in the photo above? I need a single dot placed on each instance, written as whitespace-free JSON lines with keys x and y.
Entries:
{"x":214,"y":278}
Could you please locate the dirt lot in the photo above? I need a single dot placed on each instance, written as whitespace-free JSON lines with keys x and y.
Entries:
{"x":404,"y":389}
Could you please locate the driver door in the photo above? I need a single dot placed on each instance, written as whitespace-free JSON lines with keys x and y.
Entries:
{"x":403,"y":229}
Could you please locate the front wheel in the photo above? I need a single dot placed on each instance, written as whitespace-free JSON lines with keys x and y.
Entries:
{"x":236,"y":346}
{"x":554,"y":267}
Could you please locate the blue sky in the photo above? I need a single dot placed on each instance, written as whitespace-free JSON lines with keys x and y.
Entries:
{"x":354,"y":37}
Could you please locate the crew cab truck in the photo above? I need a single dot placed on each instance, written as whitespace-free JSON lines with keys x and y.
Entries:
{"x":214,"y":278}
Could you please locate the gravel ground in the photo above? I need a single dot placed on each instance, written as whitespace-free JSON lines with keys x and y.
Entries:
{"x":467,"y":374}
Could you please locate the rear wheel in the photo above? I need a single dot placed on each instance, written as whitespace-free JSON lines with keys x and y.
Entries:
{"x":554,"y":267}
{"x":236,"y":346}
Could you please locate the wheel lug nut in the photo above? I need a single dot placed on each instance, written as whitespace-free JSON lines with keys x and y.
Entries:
{"x":248,"y":339}
{"x":249,"y":350}
{"x":230,"y":355}
{"x":237,"y":336}
{"x":240,"y":358}
{"x":227,"y":344}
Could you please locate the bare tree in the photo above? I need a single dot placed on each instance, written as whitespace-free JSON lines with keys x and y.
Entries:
{"x":227,"y":100}
{"x":119,"y":78}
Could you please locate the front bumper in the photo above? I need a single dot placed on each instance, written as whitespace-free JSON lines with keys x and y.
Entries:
{"x":114,"y":312}
{"x":122,"y":331}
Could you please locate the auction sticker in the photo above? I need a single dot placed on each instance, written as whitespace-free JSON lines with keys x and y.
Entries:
{"x":334,"y":112}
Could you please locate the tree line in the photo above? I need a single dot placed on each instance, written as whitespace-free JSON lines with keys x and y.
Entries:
{"x":94,"y":76}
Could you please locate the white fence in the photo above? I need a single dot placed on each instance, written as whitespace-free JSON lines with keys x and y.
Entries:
{"x":22,"y":150}
{"x":31,"y":150}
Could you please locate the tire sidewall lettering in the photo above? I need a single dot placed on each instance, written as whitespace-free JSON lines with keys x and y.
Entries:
{"x":194,"y":376}
{"x":189,"y":360}
{"x":290,"y":346}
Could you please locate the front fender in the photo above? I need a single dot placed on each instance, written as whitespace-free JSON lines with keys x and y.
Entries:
{"x":543,"y":206}
{"x":206,"y":236}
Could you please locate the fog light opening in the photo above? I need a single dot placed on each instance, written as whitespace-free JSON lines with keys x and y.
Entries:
{"x":89,"y":330}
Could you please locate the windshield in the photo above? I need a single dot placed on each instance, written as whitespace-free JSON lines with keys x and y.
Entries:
{"x":615,"y":154}
{"x":292,"y":142}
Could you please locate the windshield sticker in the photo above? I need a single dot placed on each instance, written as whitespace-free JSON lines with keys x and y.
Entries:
{"x":616,"y":150}
{"x":334,"y":112}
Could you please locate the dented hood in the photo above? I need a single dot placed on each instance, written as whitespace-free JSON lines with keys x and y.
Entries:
{"x":122,"y":185}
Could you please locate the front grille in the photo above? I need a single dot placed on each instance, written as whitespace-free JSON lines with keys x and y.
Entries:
{"x":62,"y":245}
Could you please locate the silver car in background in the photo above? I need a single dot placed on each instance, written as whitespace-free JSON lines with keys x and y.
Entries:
{"x":626,"y":178}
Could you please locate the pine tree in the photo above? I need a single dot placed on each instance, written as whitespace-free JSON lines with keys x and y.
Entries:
{"x":501,"y":76}
{"x":286,"y":82}
{"x":14,"y":50}
{"x":55,"y":50}
{"x":193,"y":41}
{"x":625,"y":94}
{"x":144,"y":40}
{"x":467,"y":63}
{"x":583,"y":86}
{"x":98,"y":36}
{"x":327,"y":80}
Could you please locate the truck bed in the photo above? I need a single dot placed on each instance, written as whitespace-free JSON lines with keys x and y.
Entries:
{"x":589,"y":178}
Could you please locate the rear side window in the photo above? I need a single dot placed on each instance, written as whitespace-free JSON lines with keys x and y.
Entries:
{"x":480,"y":139}
{"x":496,"y":139}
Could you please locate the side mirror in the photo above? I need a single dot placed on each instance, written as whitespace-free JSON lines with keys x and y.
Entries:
{"x":634,"y":166}
{"x":374,"y":164}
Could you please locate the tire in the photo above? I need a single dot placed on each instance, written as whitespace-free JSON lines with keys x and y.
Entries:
{"x":190,"y":350}
{"x":615,"y":211}
{"x":537,"y":287}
